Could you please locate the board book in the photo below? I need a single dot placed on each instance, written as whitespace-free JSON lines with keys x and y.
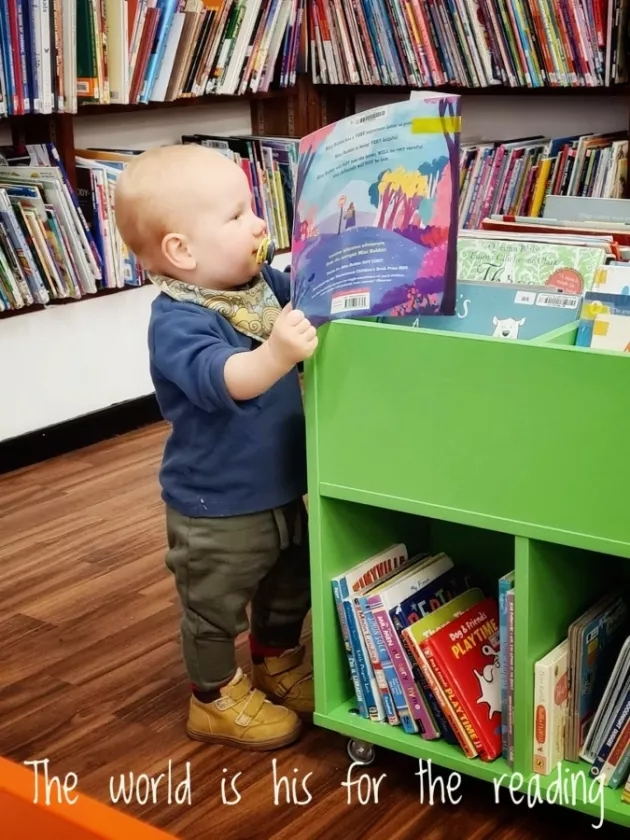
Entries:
{"x":376,"y":212}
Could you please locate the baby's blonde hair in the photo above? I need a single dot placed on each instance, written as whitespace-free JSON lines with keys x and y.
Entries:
{"x":156,"y":189}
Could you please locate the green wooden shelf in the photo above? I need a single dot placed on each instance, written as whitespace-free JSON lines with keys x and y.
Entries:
{"x":504,"y":454}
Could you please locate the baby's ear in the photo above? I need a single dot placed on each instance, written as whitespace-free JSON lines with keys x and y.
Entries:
{"x":176,"y":250}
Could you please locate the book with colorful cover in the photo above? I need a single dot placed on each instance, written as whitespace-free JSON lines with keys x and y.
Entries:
{"x":376,"y":212}
{"x":419,"y":630}
{"x":605,"y":322}
{"x":506,"y":583}
{"x":595,"y":639}
{"x":436,"y":594}
{"x":502,"y":310}
{"x":510,"y":659}
{"x":464,"y":656}
{"x":571,"y":270}
{"x":381,"y":602}
{"x":550,"y":708}
{"x":345,"y":587}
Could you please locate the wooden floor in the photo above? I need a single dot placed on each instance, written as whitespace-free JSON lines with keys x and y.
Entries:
{"x":91,"y":676}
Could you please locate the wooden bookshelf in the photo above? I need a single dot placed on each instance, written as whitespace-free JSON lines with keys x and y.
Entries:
{"x":288,"y":112}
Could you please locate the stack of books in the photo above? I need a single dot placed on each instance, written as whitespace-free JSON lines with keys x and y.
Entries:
{"x":47,"y":251}
{"x":582,"y":696}
{"x":519,"y":285}
{"x":58,"y":53}
{"x":422,"y":640}
{"x":516,"y":178}
{"x":57,"y":244}
{"x":514,"y":43}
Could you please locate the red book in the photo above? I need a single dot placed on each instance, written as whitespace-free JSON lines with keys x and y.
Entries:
{"x":464,"y":656}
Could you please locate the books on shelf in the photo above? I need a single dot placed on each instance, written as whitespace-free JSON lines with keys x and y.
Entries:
{"x":514,"y":43}
{"x":437,"y":646}
{"x":551,"y":688}
{"x":270,"y":164}
{"x":57,"y":244}
{"x":421,"y":633}
{"x":58,"y":53}
{"x":537,"y":176}
{"x":376,"y":212}
{"x":582,"y":696}
{"x":47,"y":251}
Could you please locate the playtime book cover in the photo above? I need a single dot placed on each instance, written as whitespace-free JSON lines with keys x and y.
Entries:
{"x":464,"y":657}
{"x":376,"y":212}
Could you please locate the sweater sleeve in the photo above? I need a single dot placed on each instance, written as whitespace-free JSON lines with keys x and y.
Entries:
{"x":188,"y":353}
{"x":280,"y":282}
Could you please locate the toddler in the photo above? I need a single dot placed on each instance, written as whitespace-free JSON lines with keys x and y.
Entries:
{"x":224,"y":343}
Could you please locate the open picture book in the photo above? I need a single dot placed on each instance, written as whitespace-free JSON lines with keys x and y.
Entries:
{"x":376,"y":212}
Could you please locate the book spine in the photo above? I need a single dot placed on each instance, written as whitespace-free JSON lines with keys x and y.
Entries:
{"x":417,"y":704}
{"x":503,"y":622}
{"x":510,"y":679}
{"x":379,"y":676}
{"x":465,"y":741}
{"x":346,"y":640}
{"x":458,"y":701}
{"x":362,"y":663}
{"x":618,"y":765}
{"x":436,"y":710}
{"x":543,"y":728}
{"x":614,"y":734}
{"x":391,"y":677}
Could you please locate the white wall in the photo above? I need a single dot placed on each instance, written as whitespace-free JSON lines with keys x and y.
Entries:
{"x":65,"y":361}
{"x":494,"y":118}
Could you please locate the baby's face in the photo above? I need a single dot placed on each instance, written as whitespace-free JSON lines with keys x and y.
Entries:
{"x":225,"y":234}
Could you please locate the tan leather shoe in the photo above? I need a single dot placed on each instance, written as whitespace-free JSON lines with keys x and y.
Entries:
{"x":242,"y":717}
{"x":287,"y":680}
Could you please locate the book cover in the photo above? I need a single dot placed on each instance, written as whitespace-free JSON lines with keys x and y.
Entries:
{"x":550,"y":708}
{"x":376,"y":215}
{"x":465,"y":658}
{"x":605,"y":322}
{"x":502,"y":310}
{"x":595,"y":639}
{"x":381,"y":602}
{"x":564,"y":267}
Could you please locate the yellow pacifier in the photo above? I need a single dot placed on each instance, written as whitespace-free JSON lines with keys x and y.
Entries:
{"x":266,"y":250}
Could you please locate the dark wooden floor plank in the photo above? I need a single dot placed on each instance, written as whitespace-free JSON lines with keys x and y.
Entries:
{"x":91,"y":676}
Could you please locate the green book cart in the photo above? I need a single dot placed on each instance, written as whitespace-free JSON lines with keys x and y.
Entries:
{"x":505,"y":454}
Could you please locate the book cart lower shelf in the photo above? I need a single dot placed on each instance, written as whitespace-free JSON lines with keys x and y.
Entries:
{"x":505,"y":454}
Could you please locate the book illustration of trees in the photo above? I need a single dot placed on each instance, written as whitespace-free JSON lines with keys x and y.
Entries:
{"x":397,"y":195}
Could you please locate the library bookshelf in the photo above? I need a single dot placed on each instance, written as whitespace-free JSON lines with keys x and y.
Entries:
{"x":497,"y":452}
{"x":288,"y":112}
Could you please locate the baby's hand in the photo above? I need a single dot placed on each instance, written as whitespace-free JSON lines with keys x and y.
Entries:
{"x":293,"y":337}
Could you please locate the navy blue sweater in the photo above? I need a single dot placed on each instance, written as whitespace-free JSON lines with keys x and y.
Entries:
{"x":223,"y":457}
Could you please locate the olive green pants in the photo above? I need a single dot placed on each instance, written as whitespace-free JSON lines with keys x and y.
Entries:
{"x":220,"y":566}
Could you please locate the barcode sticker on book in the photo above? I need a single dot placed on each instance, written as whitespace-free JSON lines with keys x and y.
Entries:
{"x":560,"y":301}
{"x":350,"y":302}
{"x":370,"y":116}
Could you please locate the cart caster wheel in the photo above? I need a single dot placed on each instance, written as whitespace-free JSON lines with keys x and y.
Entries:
{"x":361,"y":752}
